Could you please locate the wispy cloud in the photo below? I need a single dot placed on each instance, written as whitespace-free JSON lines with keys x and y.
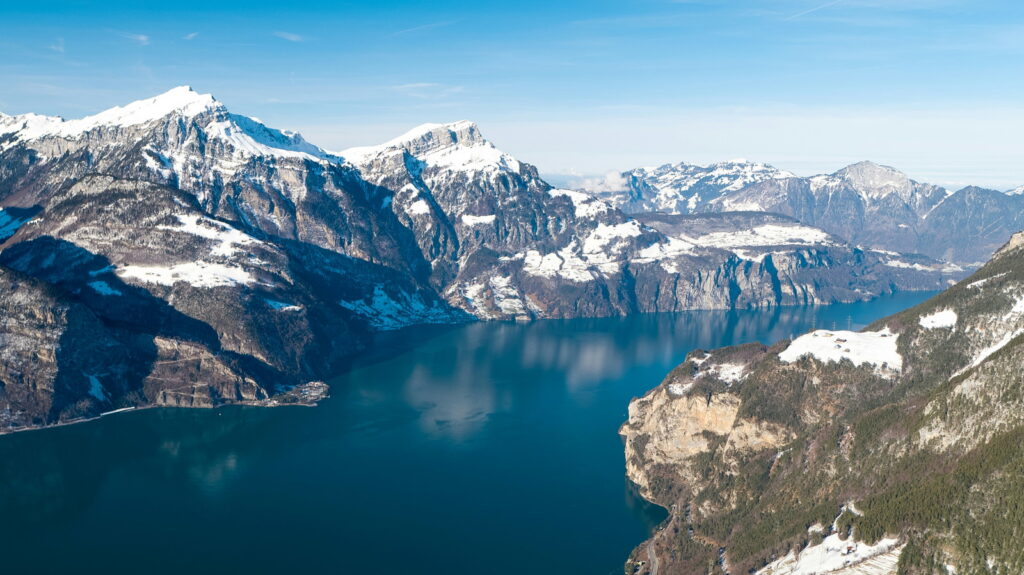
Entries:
{"x":423,"y":27}
{"x":812,"y":10}
{"x":289,"y":36}
{"x":58,"y":46}
{"x":140,"y":39}
{"x":191,"y":36}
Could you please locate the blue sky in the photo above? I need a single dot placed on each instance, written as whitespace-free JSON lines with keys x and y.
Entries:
{"x":930,"y":86}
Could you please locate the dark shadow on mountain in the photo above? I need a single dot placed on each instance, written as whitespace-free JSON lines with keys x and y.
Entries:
{"x":129,"y":317}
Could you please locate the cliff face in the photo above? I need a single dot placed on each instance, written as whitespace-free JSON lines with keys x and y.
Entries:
{"x":892,"y":449}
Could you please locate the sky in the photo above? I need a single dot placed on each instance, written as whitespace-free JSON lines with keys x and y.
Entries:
{"x":932,"y":87}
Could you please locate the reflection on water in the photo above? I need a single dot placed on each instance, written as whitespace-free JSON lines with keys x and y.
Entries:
{"x":493,"y":443}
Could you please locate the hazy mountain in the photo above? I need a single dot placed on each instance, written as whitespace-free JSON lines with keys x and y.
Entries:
{"x":865,"y":204}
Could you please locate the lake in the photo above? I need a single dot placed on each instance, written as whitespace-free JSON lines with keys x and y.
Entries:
{"x":486,"y":448}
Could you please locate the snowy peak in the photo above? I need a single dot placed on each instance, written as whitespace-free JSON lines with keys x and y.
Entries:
{"x":456,"y":146}
{"x":428,"y":138}
{"x":1016,"y":191}
{"x":875,"y":181}
{"x":182,"y":100}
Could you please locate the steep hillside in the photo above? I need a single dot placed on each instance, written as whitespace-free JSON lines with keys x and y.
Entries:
{"x":894,"y":449}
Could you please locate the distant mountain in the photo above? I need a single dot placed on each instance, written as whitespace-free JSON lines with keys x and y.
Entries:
{"x":203,"y":240}
{"x":686,"y":188}
{"x":865,"y":204}
{"x":894,"y":449}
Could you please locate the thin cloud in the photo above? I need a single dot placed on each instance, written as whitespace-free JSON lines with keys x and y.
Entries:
{"x":140,"y":39}
{"x":289,"y":36}
{"x":191,"y":36}
{"x":423,"y":27}
{"x":58,"y":46}
{"x":812,"y":10}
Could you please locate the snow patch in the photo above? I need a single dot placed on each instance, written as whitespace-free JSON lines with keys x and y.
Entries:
{"x":835,"y":556}
{"x":584,"y":205}
{"x":389,"y":312}
{"x":281,"y":305}
{"x":228,"y":238}
{"x":941,"y":319}
{"x":198,"y":274}
{"x":876,"y":348}
{"x":477,"y":220}
{"x":766,"y":235}
{"x":418,"y":208}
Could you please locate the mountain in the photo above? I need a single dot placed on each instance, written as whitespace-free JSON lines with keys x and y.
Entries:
{"x":897,"y":448}
{"x":1016,"y":191}
{"x":865,"y":204}
{"x":203,"y":240}
{"x":686,"y":188}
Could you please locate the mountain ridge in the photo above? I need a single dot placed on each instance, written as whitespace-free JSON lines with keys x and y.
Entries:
{"x":202,"y":233}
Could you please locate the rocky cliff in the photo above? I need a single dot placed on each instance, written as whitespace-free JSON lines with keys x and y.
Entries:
{"x":894,"y":449}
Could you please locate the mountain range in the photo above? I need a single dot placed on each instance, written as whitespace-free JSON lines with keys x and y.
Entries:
{"x":208,"y":258}
{"x":866,"y":204}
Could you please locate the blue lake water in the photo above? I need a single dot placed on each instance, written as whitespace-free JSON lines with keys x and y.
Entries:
{"x":487,"y":448}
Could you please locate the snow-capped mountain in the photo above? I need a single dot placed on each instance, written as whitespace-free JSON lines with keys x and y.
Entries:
{"x":686,"y":188}
{"x":204,"y":240}
{"x":865,"y":204}
{"x":894,"y":448}
{"x":1016,"y":191}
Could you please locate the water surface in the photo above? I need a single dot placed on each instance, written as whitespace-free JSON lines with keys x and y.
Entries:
{"x":488,"y":448}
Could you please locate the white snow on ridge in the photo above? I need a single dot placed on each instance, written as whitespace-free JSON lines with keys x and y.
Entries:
{"x":228,"y":238}
{"x":564,"y":263}
{"x":940,"y":319}
{"x":833,"y":556}
{"x":946,"y":267}
{"x":983,"y":281}
{"x":585,"y":205}
{"x":198,"y":274}
{"x":876,"y":348}
{"x":766,"y":235}
{"x":182,"y":99}
{"x":454,"y":146}
{"x":727,"y":372}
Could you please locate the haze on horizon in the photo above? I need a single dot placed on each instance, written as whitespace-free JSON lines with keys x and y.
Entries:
{"x":807,"y":85}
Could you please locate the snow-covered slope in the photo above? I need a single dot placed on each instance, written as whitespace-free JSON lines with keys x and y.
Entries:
{"x":686,"y":188}
{"x":865,"y":203}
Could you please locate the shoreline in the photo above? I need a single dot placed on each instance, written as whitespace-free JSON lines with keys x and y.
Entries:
{"x":271,"y":402}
